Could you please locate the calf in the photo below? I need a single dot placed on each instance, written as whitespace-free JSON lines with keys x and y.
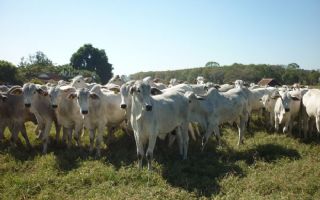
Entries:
{"x":13,"y":115}
{"x":286,"y":109}
{"x":217,"y":108}
{"x":67,"y":111}
{"x":156,"y":116}
{"x":100,"y":108}
{"x":36,"y":99}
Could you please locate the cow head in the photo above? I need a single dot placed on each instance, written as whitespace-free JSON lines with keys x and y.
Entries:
{"x":78,"y":82}
{"x":142,"y":94}
{"x":86,"y":99}
{"x":58,"y":92}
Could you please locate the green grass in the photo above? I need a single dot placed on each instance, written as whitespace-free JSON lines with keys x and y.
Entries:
{"x":267,"y":166}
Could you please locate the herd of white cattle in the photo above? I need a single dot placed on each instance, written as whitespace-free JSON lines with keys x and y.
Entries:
{"x":150,"y":109}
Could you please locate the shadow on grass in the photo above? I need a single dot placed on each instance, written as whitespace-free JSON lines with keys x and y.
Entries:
{"x":202,"y":171}
{"x":121,"y":152}
{"x":265,"y":152}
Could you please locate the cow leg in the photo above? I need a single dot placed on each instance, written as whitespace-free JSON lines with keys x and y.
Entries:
{"x":286,"y":127}
{"x":191,"y":131}
{"x":40,"y":130}
{"x":305,"y":127}
{"x":92,"y":136}
{"x":185,"y":136}
{"x":45,"y":138}
{"x":241,"y":129}
{"x":14,"y":134}
{"x":180,"y":140}
{"x":271,"y":121}
{"x":152,"y":143}
{"x":197,"y":129}
{"x":64,"y":135}
{"x":25,"y":136}
{"x":77,"y":134}
{"x":207,"y":135}
{"x":217,"y":134}
{"x":276,"y":123}
{"x":318,"y":124}
{"x":69,"y":135}
{"x":140,"y":149}
{"x":110,"y":137}
{"x":58,"y":129}
{"x":99,"y":139}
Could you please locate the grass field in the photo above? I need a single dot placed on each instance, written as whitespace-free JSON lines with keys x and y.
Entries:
{"x":267,"y":166}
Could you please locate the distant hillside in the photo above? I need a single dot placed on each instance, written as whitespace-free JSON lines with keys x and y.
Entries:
{"x":249,"y":73}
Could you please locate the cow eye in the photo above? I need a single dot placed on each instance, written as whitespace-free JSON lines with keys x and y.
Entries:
{"x":78,"y":81}
{"x":138,"y":90}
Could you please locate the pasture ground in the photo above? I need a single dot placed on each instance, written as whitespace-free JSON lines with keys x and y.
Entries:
{"x":267,"y":166}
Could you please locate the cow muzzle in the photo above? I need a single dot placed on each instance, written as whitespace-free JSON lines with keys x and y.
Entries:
{"x":123,"y":106}
{"x":148,"y":107}
{"x":54,"y":106}
{"x":287,"y":109}
{"x":28,"y":105}
{"x":84,"y":112}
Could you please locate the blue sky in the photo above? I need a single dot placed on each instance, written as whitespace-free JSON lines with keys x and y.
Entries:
{"x":165,"y":34}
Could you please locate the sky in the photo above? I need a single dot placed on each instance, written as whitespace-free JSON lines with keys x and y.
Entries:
{"x":161,"y":35}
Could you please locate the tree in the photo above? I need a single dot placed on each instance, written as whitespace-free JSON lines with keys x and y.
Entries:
{"x":212,"y":64}
{"x":92,"y":59}
{"x":293,"y":66}
{"x":8,"y":73}
{"x":39,"y":59}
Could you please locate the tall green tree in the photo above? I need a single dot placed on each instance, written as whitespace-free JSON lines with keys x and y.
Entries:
{"x":38,"y":59}
{"x":293,"y":66}
{"x":90,"y":58}
{"x":212,"y":64}
{"x":8,"y":73}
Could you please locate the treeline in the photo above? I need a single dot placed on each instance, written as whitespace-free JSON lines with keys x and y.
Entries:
{"x":86,"y":61}
{"x":250,"y":73}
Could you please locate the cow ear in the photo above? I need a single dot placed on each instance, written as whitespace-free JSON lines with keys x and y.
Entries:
{"x":72,"y":95}
{"x":132,"y":89}
{"x":67,"y":90}
{"x":200,"y":97}
{"x":16,"y":91}
{"x":94,"y":95}
{"x":155,"y":91}
{"x":295,"y":98}
{"x":4,"y":97}
{"x":116,"y":90}
{"x":42,"y":92}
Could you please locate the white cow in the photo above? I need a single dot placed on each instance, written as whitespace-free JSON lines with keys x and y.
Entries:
{"x":225,"y":87}
{"x":200,"y":80}
{"x":100,"y":108}
{"x":286,"y":110}
{"x":79,"y":82}
{"x":239,"y":83}
{"x":269,"y":102}
{"x":217,"y":108}
{"x":148,"y":80}
{"x":156,"y":116}
{"x":13,"y":115}
{"x":311,"y":107}
{"x":67,"y":111}
{"x":37,"y":100}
